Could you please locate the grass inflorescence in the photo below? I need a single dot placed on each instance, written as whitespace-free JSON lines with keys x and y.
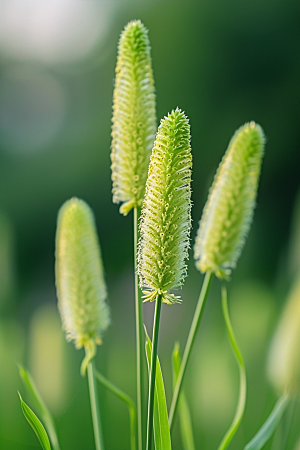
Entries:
{"x":229,"y":209}
{"x":166,"y":214}
{"x":161,"y":185}
{"x":80,"y":283}
{"x":134,"y":117}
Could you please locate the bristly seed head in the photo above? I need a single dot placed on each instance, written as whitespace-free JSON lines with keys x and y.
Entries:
{"x":134,"y":117}
{"x":229,"y":209}
{"x":79,"y":273}
{"x":166,"y":215}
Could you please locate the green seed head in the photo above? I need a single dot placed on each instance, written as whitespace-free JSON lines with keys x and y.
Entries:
{"x":166,"y":214}
{"x":134,"y":117}
{"x":80,"y":281}
{"x":229,"y":209}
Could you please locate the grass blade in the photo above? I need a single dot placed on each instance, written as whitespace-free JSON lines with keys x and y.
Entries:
{"x":126,"y":399}
{"x":198,"y":314}
{"x":243,"y":384}
{"x":95,"y":411}
{"x":43,"y":410}
{"x":270,"y":425}
{"x":186,"y":428}
{"x":140,"y":357}
{"x":36,"y":425}
{"x":161,"y":425}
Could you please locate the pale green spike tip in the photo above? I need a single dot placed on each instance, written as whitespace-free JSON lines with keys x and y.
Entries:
{"x":169,"y":299}
{"x":229,"y":209}
{"x":166,"y":214}
{"x":81,"y":288}
{"x":134,"y":117}
{"x":127,"y":207}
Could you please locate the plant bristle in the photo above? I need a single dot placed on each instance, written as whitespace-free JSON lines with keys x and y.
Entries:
{"x":166,"y":214}
{"x":229,"y":209}
{"x":134,"y":117}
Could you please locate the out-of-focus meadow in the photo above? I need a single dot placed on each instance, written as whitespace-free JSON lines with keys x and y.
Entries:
{"x":223,"y":63}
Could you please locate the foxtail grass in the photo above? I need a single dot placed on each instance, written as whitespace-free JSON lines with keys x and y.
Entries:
{"x":134,"y":117}
{"x":81,"y":290}
{"x":225,"y":223}
{"x":229,"y":209}
{"x":133,"y":132}
{"x":165,"y":227}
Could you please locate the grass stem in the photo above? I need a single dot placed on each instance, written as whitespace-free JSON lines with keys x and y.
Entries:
{"x":242,"y":395}
{"x":287,"y":423}
{"x":126,"y":399}
{"x":152,"y":373}
{"x":189,"y":344}
{"x":139,"y":334}
{"x":94,"y":406}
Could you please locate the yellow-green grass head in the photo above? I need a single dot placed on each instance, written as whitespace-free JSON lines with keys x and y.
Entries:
{"x":229,"y":209}
{"x":166,"y":214}
{"x":134,"y":117}
{"x":80,"y":283}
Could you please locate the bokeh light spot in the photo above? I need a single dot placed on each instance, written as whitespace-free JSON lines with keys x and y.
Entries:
{"x":32,"y":109}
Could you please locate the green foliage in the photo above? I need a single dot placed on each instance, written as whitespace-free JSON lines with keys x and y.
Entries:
{"x":160,"y":257}
{"x":243,"y":384}
{"x":36,"y":425}
{"x":134,"y":117}
{"x":80,"y":281}
{"x":229,"y":209}
{"x":198,"y":314}
{"x":124,"y":398}
{"x":166,"y":214}
{"x":44,"y":411}
{"x":185,"y":419}
{"x":270,"y":425}
{"x":162,"y":436}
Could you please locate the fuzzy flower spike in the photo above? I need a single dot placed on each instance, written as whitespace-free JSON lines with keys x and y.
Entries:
{"x":134,"y":117}
{"x":166,"y":214}
{"x":80,"y":281}
{"x":229,"y":209}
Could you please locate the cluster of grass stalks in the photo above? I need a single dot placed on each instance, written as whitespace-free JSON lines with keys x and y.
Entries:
{"x":151,"y":175}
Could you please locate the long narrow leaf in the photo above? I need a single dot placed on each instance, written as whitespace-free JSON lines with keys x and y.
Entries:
{"x":243,"y":383}
{"x":270,"y":425}
{"x":126,"y":399}
{"x":36,"y":425}
{"x":43,"y":410}
{"x":185,"y":421}
{"x":162,"y":436}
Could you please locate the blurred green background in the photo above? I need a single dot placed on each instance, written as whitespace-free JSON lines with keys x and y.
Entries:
{"x":223,"y":63}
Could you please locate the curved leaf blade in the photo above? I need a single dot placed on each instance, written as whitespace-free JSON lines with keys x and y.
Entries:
{"x":124,"y":398}
{"x":43,"y":410}
{"x":270,"y":425}
{"x":186,"y":428}
{"x":162,"y":436}
{"x":243,"y":381}
{"x":36,"y":425}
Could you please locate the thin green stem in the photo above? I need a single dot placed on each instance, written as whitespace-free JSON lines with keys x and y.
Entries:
{"x":94,"y":407}
{"x":276,"y":442}
{"x":126,"y":399}
{"x":139,"y":334}
{"x":189,"y":344}
{"x":281,"y":435}
{"x":243,"y":385}
{"x":287,"y":424}
{"x":152,"y":373}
